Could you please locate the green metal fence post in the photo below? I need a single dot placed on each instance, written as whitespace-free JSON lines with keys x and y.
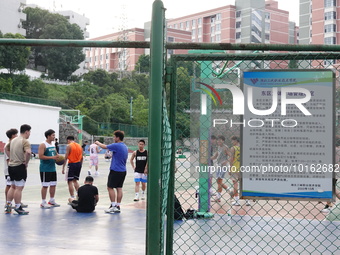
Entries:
{"x":153,"y":219}
{"x":171,"y":78}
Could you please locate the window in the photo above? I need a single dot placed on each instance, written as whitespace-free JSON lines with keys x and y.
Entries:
{"x":187,"y":24}
{"x":171,"y":39}
{"x":193,"y":23}
{"x":193,"y":33}
{"x":330,"y":28}
{"x":175,"y":26}
{"x":254,"y":39}
{"x":329,"y":62}
{"x":238,"y":14}
{"x":212,"y":38}
{"x":330,"y":15}
{"x":170,"y":26}
{"x":267,"y":15}
{"x":218,"y":37}
{"x":267,"y":36}
{"x":107,"y":55}
{"x":199,"y":31}
{"x":256,"y":30}
{"x":267,"y":26}
{"x":213,"y":19}
{"x":238,"y":35}
{"x":330,"y":40}
{"x":256,"y":19}
{"x":199,"y":21}
{"x":238,"y":24}
{"x":330,"y":3}
{"x":218,"y":16}
{"x":181,"y":25}
{"x":212,"y":30}
{"x":218,"y":27}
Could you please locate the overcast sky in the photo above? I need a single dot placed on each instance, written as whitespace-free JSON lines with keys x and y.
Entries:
{"x":108,"y":16}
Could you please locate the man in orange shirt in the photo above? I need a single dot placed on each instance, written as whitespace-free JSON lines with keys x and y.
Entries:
{"x":74,"y":157}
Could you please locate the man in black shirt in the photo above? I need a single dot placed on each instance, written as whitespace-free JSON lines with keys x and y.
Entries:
{"x":87,"y":197}
{"x":141,"y":168}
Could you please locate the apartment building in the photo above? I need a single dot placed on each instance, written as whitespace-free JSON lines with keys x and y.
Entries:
{"x":11,"y":16}
{"x":320,"y":24}
{"x":256,"y":21}
{"x":125,"y":59}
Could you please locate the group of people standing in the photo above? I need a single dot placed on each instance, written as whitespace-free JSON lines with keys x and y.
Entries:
{"x":226,"y":158}
{"x":83,"y":199}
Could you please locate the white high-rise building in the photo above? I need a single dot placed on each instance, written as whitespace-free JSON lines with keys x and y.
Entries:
{"x":82,"y":22}
{"x":11,"y":16}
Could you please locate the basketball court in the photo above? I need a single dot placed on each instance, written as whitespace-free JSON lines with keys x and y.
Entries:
{"x":62,"y":229}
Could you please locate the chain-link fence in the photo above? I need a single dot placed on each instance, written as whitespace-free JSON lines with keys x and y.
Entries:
{"x":216,"y":222}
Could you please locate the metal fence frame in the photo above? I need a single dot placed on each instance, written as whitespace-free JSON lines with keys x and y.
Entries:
{"x":158,"y":78}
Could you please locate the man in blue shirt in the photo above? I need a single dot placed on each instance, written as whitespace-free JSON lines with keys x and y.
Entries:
{"x":117,"y":170}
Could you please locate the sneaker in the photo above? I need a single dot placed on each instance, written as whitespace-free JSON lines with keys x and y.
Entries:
{"x":326,"y":209}
{"x":248,"y":203}
{"x":142,"y":196}
{"x":110,"y":210}
{"x":8,"y":208}
{"x":88,"y":172}
{"x":23,"y":205}
{"x":45,"y":206}
{"x":96,"y":173}
{"x":235,"y":203}
{"x":136,"y":198}
{"x":116,"y":209}
{"x":21,"y":211}
{"x":53,"y":204}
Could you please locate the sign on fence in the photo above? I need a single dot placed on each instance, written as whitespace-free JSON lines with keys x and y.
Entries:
{"x":288,"y":134}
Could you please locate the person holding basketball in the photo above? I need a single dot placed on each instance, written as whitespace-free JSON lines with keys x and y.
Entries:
{"x":48,"y":174}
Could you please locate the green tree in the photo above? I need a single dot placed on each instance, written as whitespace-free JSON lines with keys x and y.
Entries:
{"x":60,"y":62}
{"x":120,"y":108}
{"x":143,"y":64}
{"x":14,"y":58}
{"x":6,"y":85}
{"x":37,"y":88}
{"x":140,"y":111}
{"x":101,"y":112}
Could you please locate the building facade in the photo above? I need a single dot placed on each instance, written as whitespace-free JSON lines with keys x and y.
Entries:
{"x":256,"y":21}
{"x":125,"y":59}
{"x":11,"y":16}
{"x":320,"y":24}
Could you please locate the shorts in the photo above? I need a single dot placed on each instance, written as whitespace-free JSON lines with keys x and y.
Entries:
{"x":8,"y":180}
{"x":74,"y":171}
{"x":141,"y":177}
{"x":48,"y":179}
{"x":116,"y":179}
{"x":18,"y":175}
{"x":93,"y":160}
